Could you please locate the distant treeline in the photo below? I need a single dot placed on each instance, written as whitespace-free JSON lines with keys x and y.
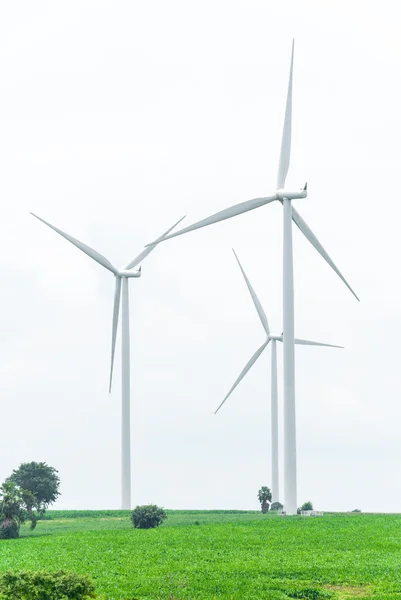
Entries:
{"x":93,"y":514}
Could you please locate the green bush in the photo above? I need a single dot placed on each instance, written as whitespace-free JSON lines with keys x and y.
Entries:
{"x":276,"y":506}
{"x":311,"y":594}
{"x":306,"y":506}
{"x":9,"y":529}
{"x":42,"y":585}
{"x":148,"y":516}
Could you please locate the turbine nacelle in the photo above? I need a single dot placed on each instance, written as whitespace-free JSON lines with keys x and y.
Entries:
{"x":127,"y":273}
{"x":275,"y":338}
{"x":291,"y":195}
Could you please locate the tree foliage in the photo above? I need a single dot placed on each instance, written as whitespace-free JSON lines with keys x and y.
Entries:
{"x":41,"y":481}
{"x":264,"y":494}
{"x":264,"y":497}
{"x":276,"y":506}
{"x":148,"y":516}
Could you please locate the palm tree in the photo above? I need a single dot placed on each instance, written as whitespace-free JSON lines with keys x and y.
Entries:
{"x":264,"y":497}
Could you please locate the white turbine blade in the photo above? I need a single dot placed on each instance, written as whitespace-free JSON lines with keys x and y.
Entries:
{"x":116,"y":310}
{"x":233,"y":211}
{"x":298,"y":220}
{"x":285,"y":152}
{"x":258,"y":306}
{"x":148,"y":249}
{"x":86,"y":249}
{"x":310,"y":343}
{"x":245,"y":370}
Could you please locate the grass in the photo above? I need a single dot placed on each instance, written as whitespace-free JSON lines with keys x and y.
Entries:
{"x":231,"y":555}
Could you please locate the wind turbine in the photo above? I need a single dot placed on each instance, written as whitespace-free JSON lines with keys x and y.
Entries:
{"x":121,"y":276}
{"x":274,"y":396}
{"x":285,"y":196}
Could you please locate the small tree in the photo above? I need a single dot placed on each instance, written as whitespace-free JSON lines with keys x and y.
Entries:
{"x":264,"y":497}
{"x":40,"y":483}
{"x":148,"y":516}
{"x":12,"y":512}
{"x":276,"y":506}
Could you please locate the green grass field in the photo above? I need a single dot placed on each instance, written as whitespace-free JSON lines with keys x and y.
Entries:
{"x":228,"y":555}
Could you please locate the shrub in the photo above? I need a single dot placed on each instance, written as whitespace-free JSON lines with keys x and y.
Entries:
{"x":9,"y":529}
{"x":148,"y":516}
{"x":356,"y":510}
{"x":311,"y":594}
{"x":306,"y":506}
{"x":276,"y":506}
{"x":43,"y":585}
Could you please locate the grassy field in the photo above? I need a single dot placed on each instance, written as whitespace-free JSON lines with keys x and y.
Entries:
{"x":219,"y":554}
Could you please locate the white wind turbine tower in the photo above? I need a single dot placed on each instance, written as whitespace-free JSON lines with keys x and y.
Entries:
{"x":274,"y":396}
{"x":285,"y":196}
{"x":121,"y":275}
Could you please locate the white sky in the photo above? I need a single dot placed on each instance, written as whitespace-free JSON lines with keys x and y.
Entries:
{"x":116,"y":119}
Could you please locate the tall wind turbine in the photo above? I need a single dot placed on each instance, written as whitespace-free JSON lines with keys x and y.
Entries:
{"x":121,"y":276}
{"x":285,"y":196}
{"x":274,"y":396}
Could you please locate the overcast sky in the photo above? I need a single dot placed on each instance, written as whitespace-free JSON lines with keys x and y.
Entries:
{"x":117,"y":118}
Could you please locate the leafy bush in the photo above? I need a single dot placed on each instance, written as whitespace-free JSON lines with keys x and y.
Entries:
{"x":276,"y":506}
{"x":9,"y":529}
{"x":356,"y":510}
{"x":311,"y":594}
{"x":148,"y":516}
{"x":306,"y":506}
{"x":42,"y":585}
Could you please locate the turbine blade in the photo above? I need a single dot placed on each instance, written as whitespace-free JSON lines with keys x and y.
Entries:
{"x":308,"y":233}
{"x":310,"y":343}
{"x":245,"y":370}
{"x":233,"y":211}
{"x":148,"y":249}
{"x":258,"y":306}
{"x":99,"y":258}
{"x":285,"y":152}
{"x":116,"y":310}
